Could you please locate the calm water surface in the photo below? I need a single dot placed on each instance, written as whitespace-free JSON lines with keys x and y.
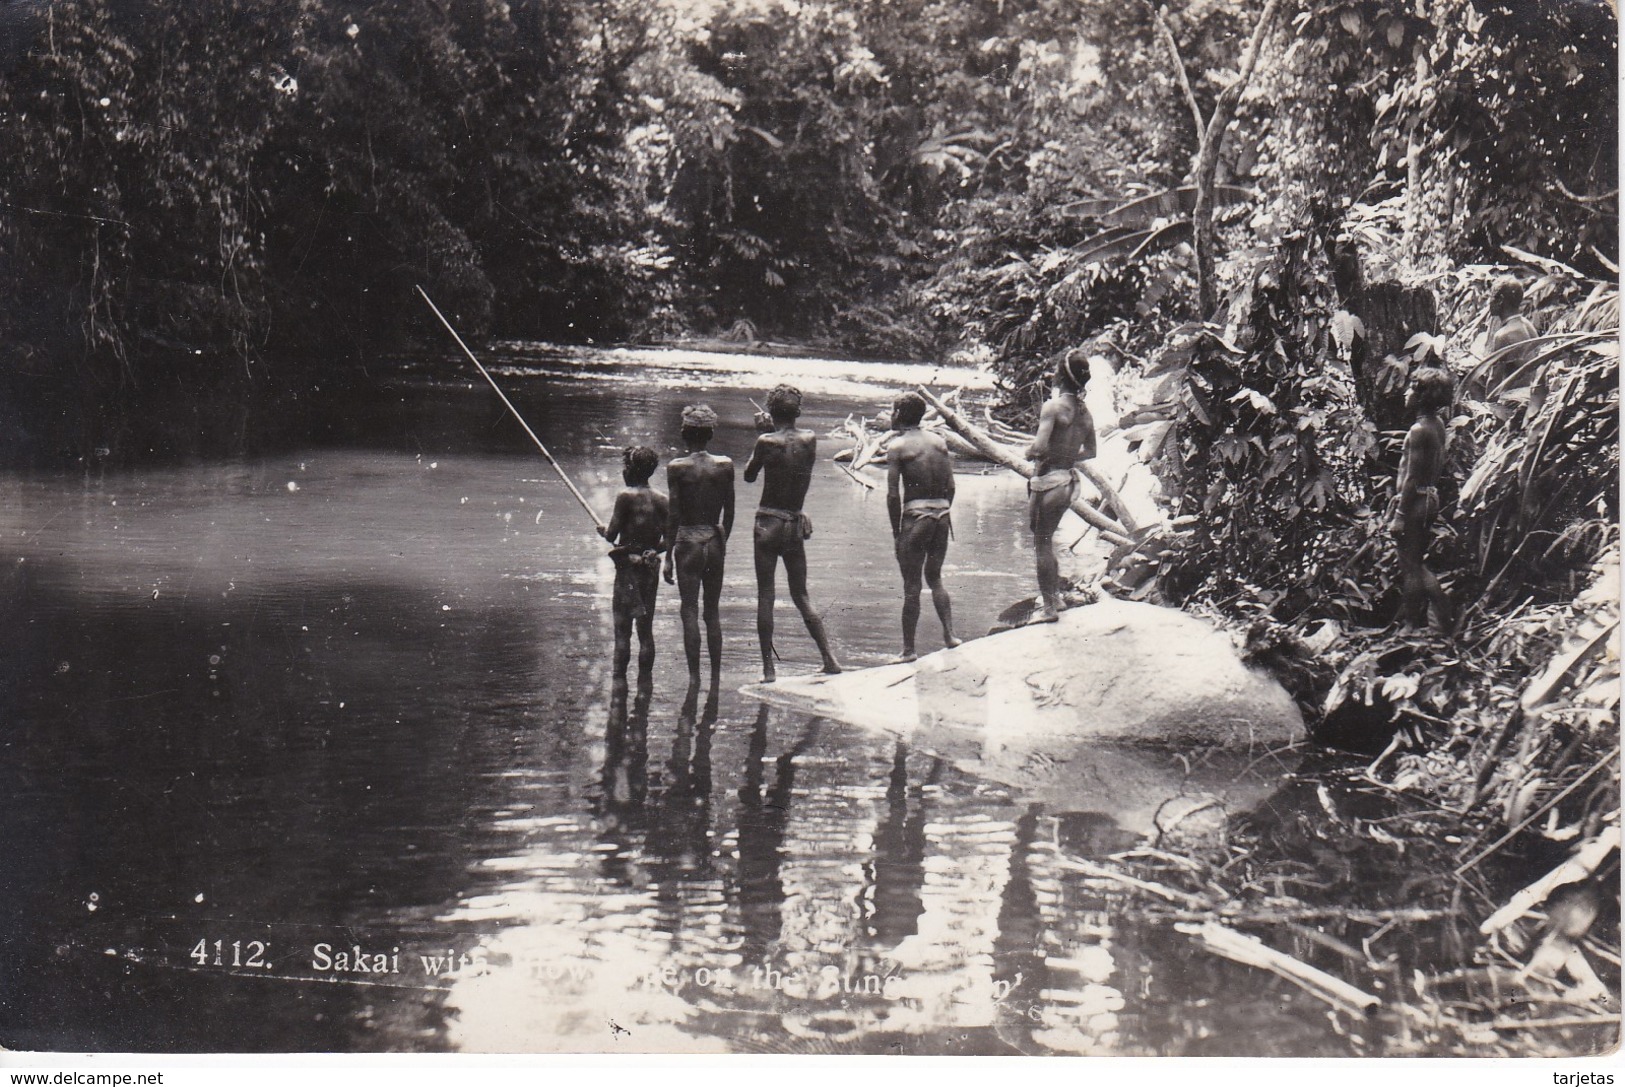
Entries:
{"x":260,"y":716}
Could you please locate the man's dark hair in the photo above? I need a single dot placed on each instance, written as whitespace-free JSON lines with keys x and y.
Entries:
{"x":1432,"y":388}
{"x":697,"y":435}
{"x":639,"y":462}
{"x":784,"y":402}
{"x":908,"y":410}
{"x":1072,"y":368}
{"x":1507,"y":294}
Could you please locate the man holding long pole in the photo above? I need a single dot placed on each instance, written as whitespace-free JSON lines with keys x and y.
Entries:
{"x":637,"y":529}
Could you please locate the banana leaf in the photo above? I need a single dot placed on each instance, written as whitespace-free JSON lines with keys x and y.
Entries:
{"x":1141,"y":211}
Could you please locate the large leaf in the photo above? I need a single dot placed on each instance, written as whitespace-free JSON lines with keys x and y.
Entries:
{"x":1143,"y":210}
{"x":1134,"y":244}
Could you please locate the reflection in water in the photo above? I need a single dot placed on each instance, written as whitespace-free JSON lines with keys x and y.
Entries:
{"x":362,"y":697}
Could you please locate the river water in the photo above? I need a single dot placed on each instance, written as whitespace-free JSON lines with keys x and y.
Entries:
{"x":316,"y":751}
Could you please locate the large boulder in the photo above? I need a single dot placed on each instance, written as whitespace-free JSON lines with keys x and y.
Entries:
{"x":1117,"y":700}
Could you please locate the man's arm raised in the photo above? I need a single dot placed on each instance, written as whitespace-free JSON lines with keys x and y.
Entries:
{"x":754,"y":466}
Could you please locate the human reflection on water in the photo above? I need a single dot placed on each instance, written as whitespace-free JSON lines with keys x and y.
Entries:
{"x":899,"y":863}
{"x":763,"y":814}
{"x":680,"y":834}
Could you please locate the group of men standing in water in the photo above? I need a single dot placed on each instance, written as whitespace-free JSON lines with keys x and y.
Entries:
{"x":691,"y":524}
{"x":691,"y":527}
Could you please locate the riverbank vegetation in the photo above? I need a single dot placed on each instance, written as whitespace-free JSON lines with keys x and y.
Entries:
{"x":1261,"y":217}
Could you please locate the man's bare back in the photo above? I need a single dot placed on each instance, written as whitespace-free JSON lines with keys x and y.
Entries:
{"x":924,"y":466}
{"x":702,"y":490}
{"x":638,"y":523}
{"x":702,"y":518}
{"x":785,"y":456}
{"x":1066,"y":435}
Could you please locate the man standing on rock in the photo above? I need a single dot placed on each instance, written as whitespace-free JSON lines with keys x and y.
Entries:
{"x":919,"y":495}
{"x":1065,"y":434}
{"x":785,"y":453}
{"x":701,"y":520}
{"x":1417,"y":502}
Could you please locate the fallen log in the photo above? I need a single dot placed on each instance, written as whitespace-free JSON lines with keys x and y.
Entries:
{"x":1100,"y":871}
{"x":1111,"y":495}
{"x":1585,"y":861}
{"x":997,"y":452}
{"x":1251,"y":951}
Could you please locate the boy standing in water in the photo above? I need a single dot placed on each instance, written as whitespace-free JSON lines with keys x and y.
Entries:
{"x":1065,"y":433}
{"x":919,"y":495}
{"x":701,"y":520}
{"x":637,"y":528}
{"x":1417,"y":502}
{"x":786,"y":454}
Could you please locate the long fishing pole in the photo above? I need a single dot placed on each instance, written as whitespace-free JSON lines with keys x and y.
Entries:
{"x":579,"y":497}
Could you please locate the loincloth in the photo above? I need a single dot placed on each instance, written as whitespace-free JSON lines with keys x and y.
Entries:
{"x":698,"y":534}
{"x":781,"y":530}
{"x":637,"y":580}
{"x":705,"y":539}
{"x":1041,"y":485}
{"x":1424,"y":509}
{"x":917,"y":510}
{"x":1051,"y":480}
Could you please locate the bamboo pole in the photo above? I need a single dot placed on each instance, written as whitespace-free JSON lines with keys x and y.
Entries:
{"x":579,"y":497}
{"x":1251,"y":951}
{"x":1584,"y":862}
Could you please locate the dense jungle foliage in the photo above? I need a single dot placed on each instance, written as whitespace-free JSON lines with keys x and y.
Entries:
{"x":202,"y":200}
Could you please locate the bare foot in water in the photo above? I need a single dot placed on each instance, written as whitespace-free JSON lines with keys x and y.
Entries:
{"x":831,"y":668}
{"x":951,"y":642}
{"x":769,"y":675}
{"x":907,"y":656}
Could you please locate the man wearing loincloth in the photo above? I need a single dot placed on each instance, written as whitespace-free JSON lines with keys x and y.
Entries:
{"x":637,"y":529}
{"x":701,"y":520}
{"x":1416,"y":502}
{"x":785,"y":454}
{"x":919,"y":495}
{"x":1065,"y":434}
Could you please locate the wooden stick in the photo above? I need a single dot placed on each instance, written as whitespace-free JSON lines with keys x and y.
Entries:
{"x":1560,"y":1021}
{"x":1537,"y":813}
{"x":869,"y":483}
{"x":1001,"y":455}
{"x":579,"y":497}
{"x":1089,"y":868}
{"x":1307,"y":913}
{"x":1250,"y":951}
{"x":1110,"y":494}
{"x":1578,"y":867}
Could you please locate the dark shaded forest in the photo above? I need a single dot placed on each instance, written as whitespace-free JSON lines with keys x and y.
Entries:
{"x":226,"y":203}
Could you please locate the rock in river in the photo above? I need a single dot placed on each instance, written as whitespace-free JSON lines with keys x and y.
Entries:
{"x":1077,"y":710}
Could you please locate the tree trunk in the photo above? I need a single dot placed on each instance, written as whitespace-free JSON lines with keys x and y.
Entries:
{"x":1207,"y":162}
{"x":1004,"y":456}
